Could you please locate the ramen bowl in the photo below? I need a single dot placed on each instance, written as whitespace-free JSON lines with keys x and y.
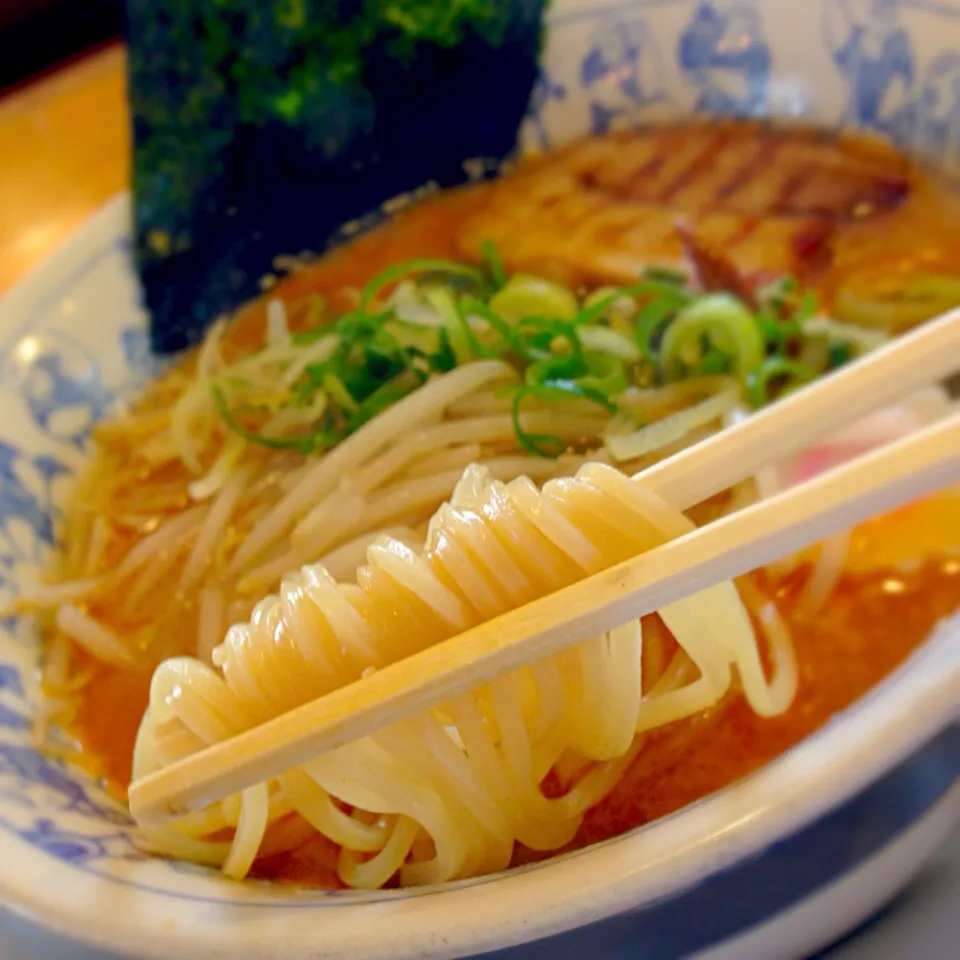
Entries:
{"x":780,"y":863}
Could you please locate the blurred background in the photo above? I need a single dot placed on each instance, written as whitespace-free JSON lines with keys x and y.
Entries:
{"x":36,"y":34}
{"x":63,"y":124}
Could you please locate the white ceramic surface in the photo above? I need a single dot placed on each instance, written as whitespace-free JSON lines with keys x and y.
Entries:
{"x":72,"y":341}
{"x":922,"y":922}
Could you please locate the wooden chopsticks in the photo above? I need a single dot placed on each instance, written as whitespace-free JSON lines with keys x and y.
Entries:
{"x":727,"y":548}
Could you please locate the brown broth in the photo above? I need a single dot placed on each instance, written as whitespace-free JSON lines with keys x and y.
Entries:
{"x":871,"y":626}
{"x":588,"y":214}
{"x":795,"y":201}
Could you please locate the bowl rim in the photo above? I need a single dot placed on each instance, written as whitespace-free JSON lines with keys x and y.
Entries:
{"x":645,"y":865}
{"x":656,"y":861}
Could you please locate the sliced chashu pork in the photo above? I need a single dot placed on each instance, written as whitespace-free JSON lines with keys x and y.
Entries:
{"x":604,"y":209}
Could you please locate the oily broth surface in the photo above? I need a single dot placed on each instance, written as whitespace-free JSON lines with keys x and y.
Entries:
{"x":775,"y":201}
{"x":871,"y":625}
{"x":600,"y":211}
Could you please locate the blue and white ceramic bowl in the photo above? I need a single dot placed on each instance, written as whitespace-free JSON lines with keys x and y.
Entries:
{"x":776,"y":866}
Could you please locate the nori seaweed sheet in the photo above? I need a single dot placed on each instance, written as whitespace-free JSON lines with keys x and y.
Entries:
{"x":261,"y":127}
